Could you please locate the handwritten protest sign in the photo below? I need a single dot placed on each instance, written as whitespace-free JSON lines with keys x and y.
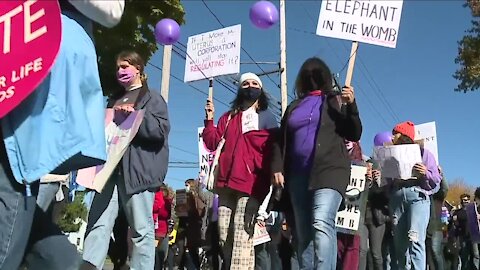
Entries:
{"x":397,"y":161}
{"x":181,"y":207}
{"x":213,"y":54}
{"x":205,"y":157}
{"x":118,"y":140}
{"x":373,"y":22}
{"x":428,"y":133}
{"x":31,"y":33}
{"x":348,"y":220}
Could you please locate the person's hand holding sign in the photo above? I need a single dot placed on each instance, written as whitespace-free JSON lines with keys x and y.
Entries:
{"x":420,"y":170}
{"x":209,"y":110}
{"x":348,"y":95}
{"x":125,"y":108}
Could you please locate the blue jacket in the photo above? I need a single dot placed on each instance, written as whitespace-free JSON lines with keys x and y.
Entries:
{"x":60,"y":127}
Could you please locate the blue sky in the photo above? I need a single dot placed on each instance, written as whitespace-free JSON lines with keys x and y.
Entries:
{"x":415,"y":78}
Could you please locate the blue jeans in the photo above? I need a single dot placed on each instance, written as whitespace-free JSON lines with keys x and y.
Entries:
{"x":469,"y":255}
{"x":101,"y":219}
{"x":410,"y":210}
{"x":435,"y":251}
{"x":315,"y":231}
{"x":42,"y":246}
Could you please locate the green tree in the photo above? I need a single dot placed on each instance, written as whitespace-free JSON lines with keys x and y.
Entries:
{"x":73,"y":214}
{"x":135,"y":32}
{"x":469,"y":53}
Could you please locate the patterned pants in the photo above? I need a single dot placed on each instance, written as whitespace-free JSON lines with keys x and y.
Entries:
{"x":236,"y":239}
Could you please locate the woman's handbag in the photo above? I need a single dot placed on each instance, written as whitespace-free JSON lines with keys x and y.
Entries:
{"x":213,"y":173}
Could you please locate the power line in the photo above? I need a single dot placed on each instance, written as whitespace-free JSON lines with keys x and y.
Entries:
{"x":183,"y":163}
{"x":182,"y":150}
{"x":225,"y":83}
{"x":395,"y":116}
{"x":383,"y":101}
{"x":243,"y":49}
{"x":182,"y":167}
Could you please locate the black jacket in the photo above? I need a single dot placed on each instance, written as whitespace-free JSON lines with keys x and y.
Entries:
{"x":331,"y":164}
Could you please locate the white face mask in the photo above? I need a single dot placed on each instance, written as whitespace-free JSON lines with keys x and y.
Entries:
{"x":187,"y":188}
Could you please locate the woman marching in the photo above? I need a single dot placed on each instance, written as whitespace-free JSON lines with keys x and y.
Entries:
{"x":243,"y":177}
{"x":312,"y":156}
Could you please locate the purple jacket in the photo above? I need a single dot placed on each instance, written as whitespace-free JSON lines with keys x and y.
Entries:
{"x":433,"y":177}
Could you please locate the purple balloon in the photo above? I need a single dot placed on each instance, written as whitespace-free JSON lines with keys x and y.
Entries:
{"x":167,"y":31}
{"x":382,"y":138}
{"x":264,"y":14}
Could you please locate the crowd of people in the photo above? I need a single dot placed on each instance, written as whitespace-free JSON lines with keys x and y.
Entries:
{"x":288,"y":178}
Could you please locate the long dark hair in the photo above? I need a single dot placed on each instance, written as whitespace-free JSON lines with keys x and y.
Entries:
{"x":355,"y":153}
{"x":313,"y":75}
{"x":239,"y":100}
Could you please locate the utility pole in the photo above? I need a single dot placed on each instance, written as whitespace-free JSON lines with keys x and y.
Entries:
{"x":167,"y":59}
{"x":283,"y":58}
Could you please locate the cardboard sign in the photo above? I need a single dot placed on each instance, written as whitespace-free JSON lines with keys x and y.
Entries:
{"x":181,"y":207}
{"x":214,"y":53}
{"x":428,"y":134}
{"x":374,"y":22}
{"x":260,"y":235}
{"x":119,"y":138}
{"x":397,"y":161}
{"x":205,"y":158}
{"x":31,"y":33}
{"x":349,"y":219}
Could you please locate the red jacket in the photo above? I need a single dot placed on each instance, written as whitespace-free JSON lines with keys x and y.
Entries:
{"x":161,"y":214}
{"x":243,"y":164}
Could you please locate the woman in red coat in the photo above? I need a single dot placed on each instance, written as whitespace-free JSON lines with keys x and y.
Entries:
{"x":162,"y":207}
{"x":243,"y":177}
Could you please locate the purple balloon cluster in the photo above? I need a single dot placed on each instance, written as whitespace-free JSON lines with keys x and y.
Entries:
{"x":382,"y":138}
{"x":264,"y":14}
{"x":167,"y":31}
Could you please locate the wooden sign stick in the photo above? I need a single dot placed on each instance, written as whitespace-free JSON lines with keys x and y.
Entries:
{"x":351,"y":63}
{"x":210,"y":89}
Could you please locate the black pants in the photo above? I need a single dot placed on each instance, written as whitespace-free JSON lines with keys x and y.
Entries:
{"x":118,"y":249}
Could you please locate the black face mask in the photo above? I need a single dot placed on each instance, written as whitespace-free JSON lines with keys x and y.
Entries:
{"x":250,"y":93}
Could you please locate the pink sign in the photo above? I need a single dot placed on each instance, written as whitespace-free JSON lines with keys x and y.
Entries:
{"x":30,"y":34}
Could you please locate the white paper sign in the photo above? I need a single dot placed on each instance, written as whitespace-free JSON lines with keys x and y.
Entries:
{"x":373,"y":22}
{"x":214,"y":53}
{"x":428,"y":133}
{"x":205,"y":157}
{"x":249,"y":120}
{"x":397,"y":161}
{"x":260,"y":235}
{"x":349,"y":219}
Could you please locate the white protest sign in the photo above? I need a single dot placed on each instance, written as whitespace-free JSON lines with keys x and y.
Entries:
{"x":373,"y":22}
{"x":205,"y":157}
{"x":397,"y":161}
{"x":260,"y":235}
{"x":214,"y":53}
{"x":349,"y":219}
{"x":428,"y":133}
